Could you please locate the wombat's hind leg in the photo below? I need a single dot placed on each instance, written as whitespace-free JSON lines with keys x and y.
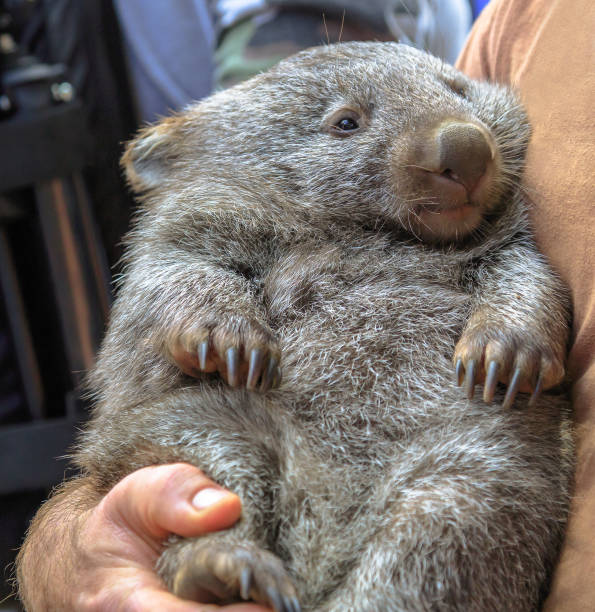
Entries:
{"x":243,"y":352}
{"x":223,"y":572}
{"x":513,"y":356}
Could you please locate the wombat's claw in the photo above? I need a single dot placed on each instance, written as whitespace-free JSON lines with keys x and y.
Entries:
{"x":244,"y":354}
{"x":255,"y":368}
{"x":202,"y":354}
{"x":491,"y":381}
{"x":513,"y":387}
{"x":237,"y":572}
{"x":467,"y":376}
{"x":291,"y":604}
{"x":245,"y":582}
{"x":263,"y":368}
{"x":525,"y":369}
{"x":282,"y":603}
{"x":470,"y":378}
{"x":232,"y":361}
{"x":537,"y":391}
{"x":271,"y":376}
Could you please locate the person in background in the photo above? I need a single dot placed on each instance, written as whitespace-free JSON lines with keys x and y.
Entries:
{"x":79,"y":555}
{"x":253,"y":35}
{"x":179,"y":52}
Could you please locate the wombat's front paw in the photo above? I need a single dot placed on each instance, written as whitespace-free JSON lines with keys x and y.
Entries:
{"x":231,"y":572}
{"x":242,"y":351}
{"x":513,"y":357}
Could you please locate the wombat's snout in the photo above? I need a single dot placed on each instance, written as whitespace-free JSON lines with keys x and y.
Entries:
{"x":462,"y":152}
{"x":456,"y":156}
{"x":452,"y":169}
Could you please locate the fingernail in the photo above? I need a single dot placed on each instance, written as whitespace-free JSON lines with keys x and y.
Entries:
{"x":208,"y":497}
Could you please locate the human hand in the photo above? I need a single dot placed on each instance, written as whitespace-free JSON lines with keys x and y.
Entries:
{"x":88,"y":554}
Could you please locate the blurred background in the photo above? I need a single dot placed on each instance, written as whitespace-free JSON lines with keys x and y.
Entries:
{"x":77,"y":78}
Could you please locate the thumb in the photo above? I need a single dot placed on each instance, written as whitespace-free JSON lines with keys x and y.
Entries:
{"x":177,"y":498}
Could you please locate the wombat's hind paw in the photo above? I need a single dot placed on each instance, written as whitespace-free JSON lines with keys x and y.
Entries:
{"x":226,"y":573}
{"x":242,"y":353}
{"x":518,"y":362}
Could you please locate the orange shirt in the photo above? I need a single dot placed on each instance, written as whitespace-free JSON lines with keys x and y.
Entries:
{"x":546,"y":50}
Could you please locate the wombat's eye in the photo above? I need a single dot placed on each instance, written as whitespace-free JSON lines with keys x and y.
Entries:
{"x":458,"y":85}
{"x":343,"y":122}
{"x":346,"y":124}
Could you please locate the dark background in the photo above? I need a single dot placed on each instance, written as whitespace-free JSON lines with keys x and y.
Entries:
{"x":55,"y":157}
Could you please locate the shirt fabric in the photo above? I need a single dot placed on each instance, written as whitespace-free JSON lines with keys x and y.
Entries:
{"x":546,"y":50}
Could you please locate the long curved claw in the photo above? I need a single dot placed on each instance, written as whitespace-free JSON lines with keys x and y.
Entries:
{"x":255,"y":368}
{"x":245,"y":583}
{"x":202,"y":352}
{"x":296,"y":605}
{"x":537,"y":391}
{"x":291,"y":604}
{"x":470,"y":378}
{"x":232,"y":363}
{"x":459,"y":372}
{"x":276,"y":378}
{"x":513,"y":387}
{"x":268,"y":377}
{"x":276,"y":599}
{"x":491,"y":382}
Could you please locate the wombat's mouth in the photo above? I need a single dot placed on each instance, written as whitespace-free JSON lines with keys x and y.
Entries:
{"x":449,"y":179}
{"x":450,"y":211}
{"x":445,"y":214}
{"x":459,"y":211}
{"x":444,"y":222}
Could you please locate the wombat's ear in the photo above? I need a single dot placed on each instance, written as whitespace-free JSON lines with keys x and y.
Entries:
{"x":148,"y":158}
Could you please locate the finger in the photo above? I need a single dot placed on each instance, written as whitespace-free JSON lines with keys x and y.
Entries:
{"x":241,"y":607}
{"x":178,"y":498}
{"x":156,"y":599}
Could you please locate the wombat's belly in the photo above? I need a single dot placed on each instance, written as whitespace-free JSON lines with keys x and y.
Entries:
{"x":375,"y":327}
{"x":367,"y":338}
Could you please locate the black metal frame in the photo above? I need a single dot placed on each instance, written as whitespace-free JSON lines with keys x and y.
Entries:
{"x":29,"y":453}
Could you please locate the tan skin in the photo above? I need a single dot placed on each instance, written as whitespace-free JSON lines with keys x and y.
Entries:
{"x":103,"y":557}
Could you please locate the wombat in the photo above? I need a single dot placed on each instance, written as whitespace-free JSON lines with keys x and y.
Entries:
{"x":313,"y":247}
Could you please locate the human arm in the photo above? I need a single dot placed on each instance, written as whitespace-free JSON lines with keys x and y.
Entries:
{"x":87,"y":552}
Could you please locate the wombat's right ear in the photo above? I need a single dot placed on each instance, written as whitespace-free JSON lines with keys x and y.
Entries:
{"x":148,"y":158}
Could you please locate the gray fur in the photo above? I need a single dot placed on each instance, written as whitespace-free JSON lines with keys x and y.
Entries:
{"x":367,"y":472}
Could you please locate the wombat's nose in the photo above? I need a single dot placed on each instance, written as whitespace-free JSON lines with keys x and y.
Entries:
{"x":458,"y":151}
{"x":464,"y":153}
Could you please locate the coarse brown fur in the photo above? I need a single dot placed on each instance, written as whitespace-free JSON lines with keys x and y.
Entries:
{"x":369,"y":480}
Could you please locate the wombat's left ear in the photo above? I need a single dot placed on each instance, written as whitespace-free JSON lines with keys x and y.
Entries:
{"x":148,"y":158}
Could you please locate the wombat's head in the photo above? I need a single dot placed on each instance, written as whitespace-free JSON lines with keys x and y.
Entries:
{"x":379,"y":133}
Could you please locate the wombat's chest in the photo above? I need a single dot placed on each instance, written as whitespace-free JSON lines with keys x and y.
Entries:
{"x":367,"y":321}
